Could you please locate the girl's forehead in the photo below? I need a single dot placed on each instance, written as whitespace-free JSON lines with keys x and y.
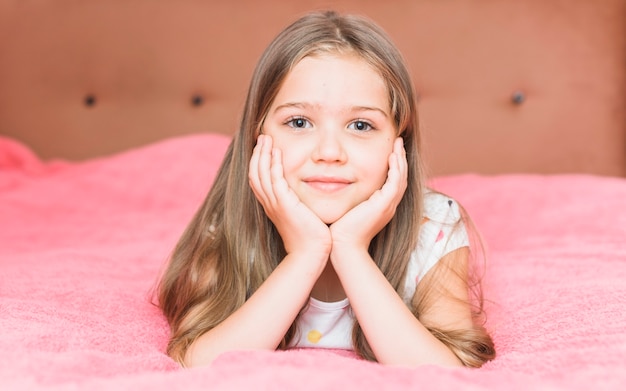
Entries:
{"x":336,"y":67}
{"x":330,"y":75}
{"x":324,"y":63}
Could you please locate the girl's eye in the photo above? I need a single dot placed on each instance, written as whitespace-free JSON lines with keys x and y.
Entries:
{"x":299,"y":123}
{"x":361,"y":126}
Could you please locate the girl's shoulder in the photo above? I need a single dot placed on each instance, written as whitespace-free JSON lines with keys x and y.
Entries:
{"x":442,"y":231}
{"x":440,"y":208}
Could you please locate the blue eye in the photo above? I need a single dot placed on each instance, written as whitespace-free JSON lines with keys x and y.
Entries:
{"x":298,"y":123}
{"x":361,"y":126}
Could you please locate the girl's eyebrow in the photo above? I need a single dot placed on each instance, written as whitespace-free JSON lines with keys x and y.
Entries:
{"x":304,"y":105}
{"x":298,"y":105}
{"x":368,"y":108}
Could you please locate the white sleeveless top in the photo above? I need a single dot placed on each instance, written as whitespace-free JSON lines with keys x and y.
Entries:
{"x":329,"y":325}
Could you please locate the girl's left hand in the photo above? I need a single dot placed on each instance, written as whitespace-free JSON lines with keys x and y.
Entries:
{"x":301,"y":230}
{"x":357,"y":227}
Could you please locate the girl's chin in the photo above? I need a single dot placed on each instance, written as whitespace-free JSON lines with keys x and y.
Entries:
{"x":330,"y":213}
{"x":329,"y":221}
{"x":329,"y":218}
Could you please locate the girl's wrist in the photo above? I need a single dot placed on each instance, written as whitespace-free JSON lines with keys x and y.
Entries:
{"x":313,"y":260}
{"x":346,"y":254}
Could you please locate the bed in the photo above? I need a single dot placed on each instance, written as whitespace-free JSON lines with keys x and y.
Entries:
{"x":111,"y":132}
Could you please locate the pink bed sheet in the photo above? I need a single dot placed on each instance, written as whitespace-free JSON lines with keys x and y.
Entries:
{"x":82,"y":244}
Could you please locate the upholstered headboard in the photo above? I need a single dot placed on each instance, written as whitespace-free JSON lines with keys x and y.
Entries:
{"x":504,"y":85}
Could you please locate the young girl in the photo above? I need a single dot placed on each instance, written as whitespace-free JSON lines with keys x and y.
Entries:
{"x":318,"y":230}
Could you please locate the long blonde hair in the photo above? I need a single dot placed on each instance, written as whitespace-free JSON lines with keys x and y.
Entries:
{"x":230,"y":246}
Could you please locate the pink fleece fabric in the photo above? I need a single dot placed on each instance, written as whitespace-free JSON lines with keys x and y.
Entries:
{"x":82,"y":245}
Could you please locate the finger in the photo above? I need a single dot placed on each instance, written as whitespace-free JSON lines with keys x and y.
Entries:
{"x":265,"y":157}
{"x":255,"y":174}
{"x":393,"y":174}
{"x":391,"y":185}
{"x":402,"y":161}
{"x":394,"y":187}
{"x":279,"y":183}
{"x":253,"y":171}
{"x":398,"y":148}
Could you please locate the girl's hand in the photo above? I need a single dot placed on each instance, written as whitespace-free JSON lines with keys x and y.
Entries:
{"x":300,"y":229}
{"x":357,"y":227}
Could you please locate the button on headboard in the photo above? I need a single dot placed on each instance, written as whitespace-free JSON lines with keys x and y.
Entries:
{"x":504,"y":86}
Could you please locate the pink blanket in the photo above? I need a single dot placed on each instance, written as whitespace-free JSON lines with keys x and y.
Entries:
{"x":82,"y":244}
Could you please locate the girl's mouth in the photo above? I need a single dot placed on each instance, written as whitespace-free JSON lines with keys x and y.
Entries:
{"x":327,"y":184}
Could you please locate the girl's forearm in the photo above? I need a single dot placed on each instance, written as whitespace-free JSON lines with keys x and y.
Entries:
{"x":262,"y":321}
{"x":395,"y":335}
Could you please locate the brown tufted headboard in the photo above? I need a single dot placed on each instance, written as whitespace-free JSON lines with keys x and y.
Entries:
{"x":504,"y":85}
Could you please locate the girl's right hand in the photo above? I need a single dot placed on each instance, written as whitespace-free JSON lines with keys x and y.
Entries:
{"x":264,"y":318}
{"x":301,"y":230}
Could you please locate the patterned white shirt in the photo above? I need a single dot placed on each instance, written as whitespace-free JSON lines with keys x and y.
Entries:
{"x":329,"y":325}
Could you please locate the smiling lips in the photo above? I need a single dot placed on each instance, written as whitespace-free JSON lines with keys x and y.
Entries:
{"x":327,"y":184}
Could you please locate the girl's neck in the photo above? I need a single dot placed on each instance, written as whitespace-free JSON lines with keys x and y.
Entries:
{"x":328,"y":287}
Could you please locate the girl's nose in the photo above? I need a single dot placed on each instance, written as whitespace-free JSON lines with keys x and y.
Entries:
{"x":329,"y":147}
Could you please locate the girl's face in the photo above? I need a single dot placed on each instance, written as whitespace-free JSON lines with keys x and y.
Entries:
{"x":332,"y":121}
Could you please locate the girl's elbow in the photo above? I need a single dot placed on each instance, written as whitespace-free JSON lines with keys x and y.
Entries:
{"x":198,"y":356}
{"x":419,"y":357}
